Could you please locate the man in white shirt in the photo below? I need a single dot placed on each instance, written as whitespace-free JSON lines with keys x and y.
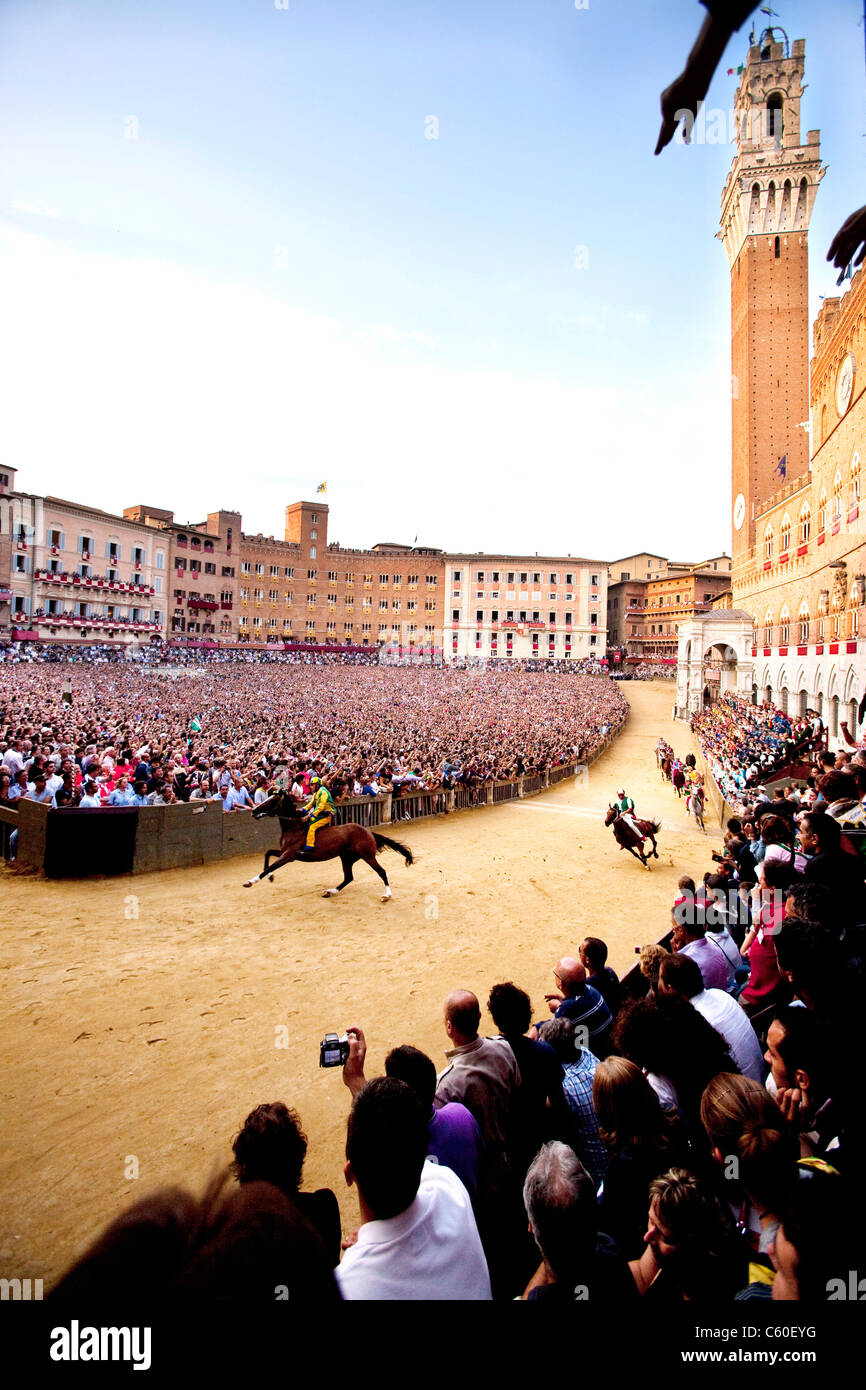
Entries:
{"x":91,"y":799}
{"x":418,"y":1239}
{"x":238,"y":798}
{"x":680,"y":974}
{"x":38,"y":791}
{"x":13,"y":760}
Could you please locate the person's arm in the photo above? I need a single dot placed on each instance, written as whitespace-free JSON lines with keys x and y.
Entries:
{"x":846,"y":734}
{"x":690,"y":88}
{"x":353,"y":1068}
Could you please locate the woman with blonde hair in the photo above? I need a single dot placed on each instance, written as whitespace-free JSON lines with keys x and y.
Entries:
{"x":643,"y":1140}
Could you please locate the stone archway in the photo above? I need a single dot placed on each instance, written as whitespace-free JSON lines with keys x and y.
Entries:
{"x":714,"y":654}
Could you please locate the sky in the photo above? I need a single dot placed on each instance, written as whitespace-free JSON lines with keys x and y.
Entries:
{"x":421,"y":252}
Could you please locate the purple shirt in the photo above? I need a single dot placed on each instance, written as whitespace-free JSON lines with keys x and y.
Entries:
{"x":455,"y":1142}
{"x":712,"y":961}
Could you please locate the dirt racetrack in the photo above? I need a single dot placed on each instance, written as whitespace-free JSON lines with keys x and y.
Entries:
{"x":143,"y":1018}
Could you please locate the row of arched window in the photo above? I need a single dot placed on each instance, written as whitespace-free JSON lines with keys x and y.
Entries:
{"x":830,"y":625}
{"x":804,"y":520}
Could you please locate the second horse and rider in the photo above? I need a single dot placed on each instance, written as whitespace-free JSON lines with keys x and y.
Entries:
{"x":629,"y":832}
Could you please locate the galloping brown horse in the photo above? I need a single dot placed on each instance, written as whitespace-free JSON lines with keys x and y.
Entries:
{"x":626,"y":837}
{"x":349,"y":843}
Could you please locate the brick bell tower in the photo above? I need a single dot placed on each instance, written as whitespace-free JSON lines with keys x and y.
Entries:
{"x":766,"y":208}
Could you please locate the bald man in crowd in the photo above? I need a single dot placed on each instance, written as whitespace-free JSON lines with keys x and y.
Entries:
{"x":575,"y":999}
{"x":483,"y":1075}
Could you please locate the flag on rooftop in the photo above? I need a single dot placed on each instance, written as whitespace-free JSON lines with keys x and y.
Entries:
{"x":323,"y":487}
{"x":845,"y":274}
{"x":735,"y":70}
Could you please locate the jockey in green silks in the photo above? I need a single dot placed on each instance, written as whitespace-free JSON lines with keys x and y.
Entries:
{"x":320,"y":810}
{"x":625,"y":806}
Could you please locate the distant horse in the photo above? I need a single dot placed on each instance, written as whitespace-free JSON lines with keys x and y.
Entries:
{"x":667,"y":767}
{"x":695,"y":806}
{"x":626,"y":837}
{"x":349,"y":843}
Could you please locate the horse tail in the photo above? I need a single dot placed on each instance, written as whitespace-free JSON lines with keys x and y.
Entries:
{"x":656,"y":826}
{"x":382,"y":842}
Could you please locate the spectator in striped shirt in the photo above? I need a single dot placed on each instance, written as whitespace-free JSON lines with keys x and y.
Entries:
{"x":581,"y":1003}
{"x":579,"y":1066}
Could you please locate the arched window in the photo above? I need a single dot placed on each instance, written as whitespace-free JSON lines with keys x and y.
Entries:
{"x":775,"y":120}
{"x":768,"y":543}
{"x":835,"y":620}
{"x":754,"y":629}
{"x":854,"y":609}
{"x":803,"y":620}
{"x":784,"y":627}
{"x":854,"y":481}
{"x":822,"y":512}
{"x":768,"y":629}
{"x":837,"y":498}
{"x":785,"y":534}
{"x":804,"y":524}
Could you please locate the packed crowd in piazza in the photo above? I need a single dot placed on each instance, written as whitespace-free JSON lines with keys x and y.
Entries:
{"x":116,"y":732}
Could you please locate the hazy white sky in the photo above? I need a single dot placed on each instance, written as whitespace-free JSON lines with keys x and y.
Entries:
{"x":233,"y":265}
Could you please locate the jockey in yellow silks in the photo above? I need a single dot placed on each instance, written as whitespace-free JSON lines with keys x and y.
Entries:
{"x":319,"y":810}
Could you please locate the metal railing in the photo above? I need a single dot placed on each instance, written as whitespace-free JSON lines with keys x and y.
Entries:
{"x":360,"y":810}
{"x":534,"y":782}
{"x":467,"y":797}
{"x":505,"y":791}
{"x":416,"y":805}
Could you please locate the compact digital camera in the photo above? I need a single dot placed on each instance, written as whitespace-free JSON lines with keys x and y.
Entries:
{"x":333,"y":1050}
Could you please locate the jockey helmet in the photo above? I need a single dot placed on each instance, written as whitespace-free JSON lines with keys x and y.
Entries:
{"x":315,"y":781}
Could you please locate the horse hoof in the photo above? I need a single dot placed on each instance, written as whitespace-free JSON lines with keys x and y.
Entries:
{"x":270,"y":878}
{"x":249,"y":883}
{"x":386,"y":897}
{"x":330,"y":892}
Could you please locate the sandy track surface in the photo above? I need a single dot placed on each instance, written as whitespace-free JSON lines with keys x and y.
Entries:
{"x":143,"y":1018}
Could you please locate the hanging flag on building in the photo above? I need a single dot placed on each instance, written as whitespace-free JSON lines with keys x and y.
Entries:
{"x":737,"y":70}
{"x":782,"y":466}
{"x":323,"y":487}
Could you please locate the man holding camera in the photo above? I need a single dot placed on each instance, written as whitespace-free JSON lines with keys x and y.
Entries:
{"x":418,"y":1238}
